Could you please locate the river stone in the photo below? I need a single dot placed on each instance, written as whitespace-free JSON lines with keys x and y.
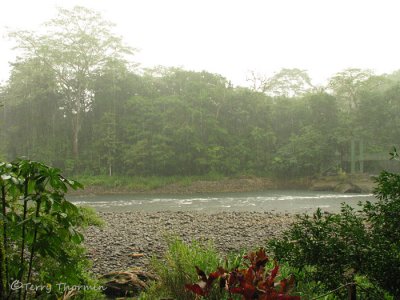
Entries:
{"x":347,"y":188}
{"x":128,"y":283}
{"x":143,"y":233}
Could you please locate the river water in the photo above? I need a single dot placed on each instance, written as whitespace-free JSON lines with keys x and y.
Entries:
{"x":285,"y":201}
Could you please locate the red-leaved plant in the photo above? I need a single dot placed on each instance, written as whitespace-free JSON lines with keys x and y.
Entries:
{"x":252,"y":283}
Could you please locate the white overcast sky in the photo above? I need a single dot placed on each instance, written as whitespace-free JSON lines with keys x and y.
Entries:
{"x":233,"y":37}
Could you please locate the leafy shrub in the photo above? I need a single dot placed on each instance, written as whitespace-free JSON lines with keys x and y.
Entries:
{"x":383,"y":264}
{"x":342,"y":246}
{"x":40,"y":241}
{"x":333,"y":243}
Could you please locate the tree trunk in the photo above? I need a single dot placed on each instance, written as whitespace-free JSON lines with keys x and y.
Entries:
{"x":3,"y":280}
{"x":352,"y":292}
{"x":75,"y":135}
{"x":3,"y":248}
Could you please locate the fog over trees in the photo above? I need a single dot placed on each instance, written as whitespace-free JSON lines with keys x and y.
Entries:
{"x":76,"y":100}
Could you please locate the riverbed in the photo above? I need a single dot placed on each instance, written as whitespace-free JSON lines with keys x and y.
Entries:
{"x":137,"y":224}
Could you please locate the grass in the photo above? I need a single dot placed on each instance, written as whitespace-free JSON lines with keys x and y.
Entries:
{"x":139,"y":183}
{"x":177,"y":268}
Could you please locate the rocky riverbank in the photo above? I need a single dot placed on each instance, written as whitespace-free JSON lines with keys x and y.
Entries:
{"x":344,"y":184}
{"x":350,"y":184}
{"x":130,"y":239}
{"x":231,"y":185}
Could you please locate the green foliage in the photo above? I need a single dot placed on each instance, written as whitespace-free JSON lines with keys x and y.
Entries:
{"x":176,"y":267}
{"x":75,"y":272}
{"x":342,"y":246}
{"x":41,"y":241}
{"x":306,"y":285}
{"x":334,"y":244}
{"x":142,"y":183}
{"x":184,"y":123}
{"x":347,"y":85}
{"x":384,"y":216}
{"x":90,"y":217}
{"x":288,"y":83}
{"x":73,"y":68}
{"x":303,"y":154}
{"x":83,"y":109}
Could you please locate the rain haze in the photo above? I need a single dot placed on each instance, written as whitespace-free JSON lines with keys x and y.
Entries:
{"x":131,"y":129}
{"x":232,"y":38}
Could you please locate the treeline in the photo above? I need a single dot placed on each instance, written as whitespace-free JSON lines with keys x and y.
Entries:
{"x":104,"y":117}
{"x":188,"y":123}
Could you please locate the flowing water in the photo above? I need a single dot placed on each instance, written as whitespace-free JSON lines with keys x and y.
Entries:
{"x":285,"y":201}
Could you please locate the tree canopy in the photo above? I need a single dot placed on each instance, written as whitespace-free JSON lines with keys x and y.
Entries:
{"x":74,"y":101}
{"x":75,"y":47}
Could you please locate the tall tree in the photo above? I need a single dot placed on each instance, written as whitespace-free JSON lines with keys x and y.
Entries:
{"x":288,"y":83}
{"x":347,"y":85}
{"x":33,"y":122}
{"x":75,"y":45}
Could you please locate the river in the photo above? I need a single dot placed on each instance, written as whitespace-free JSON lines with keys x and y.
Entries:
{"x":285,"y":201}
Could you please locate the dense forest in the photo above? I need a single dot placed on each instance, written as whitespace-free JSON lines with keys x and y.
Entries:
{"x":76,"y":101}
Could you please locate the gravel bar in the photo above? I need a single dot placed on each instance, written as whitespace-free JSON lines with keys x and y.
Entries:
{"x":130,"y":239}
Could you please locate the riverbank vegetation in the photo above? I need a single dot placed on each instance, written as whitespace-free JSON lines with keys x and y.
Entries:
{"x":41,"y":247}
{"x":101,"y":115}
{"x":217,"y":183}
{"x":105,"y":183}
{"x":177,"y":272}
{"x":352,"y":255}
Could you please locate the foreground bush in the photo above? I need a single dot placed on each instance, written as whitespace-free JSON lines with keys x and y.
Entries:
{"x":41,"y":255}
{"x":177,"y":268}
{"x":383,"y":217}
{"x":342,"y":246}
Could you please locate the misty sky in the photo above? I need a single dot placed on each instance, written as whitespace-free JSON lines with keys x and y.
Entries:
{"x":234,"y":37}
